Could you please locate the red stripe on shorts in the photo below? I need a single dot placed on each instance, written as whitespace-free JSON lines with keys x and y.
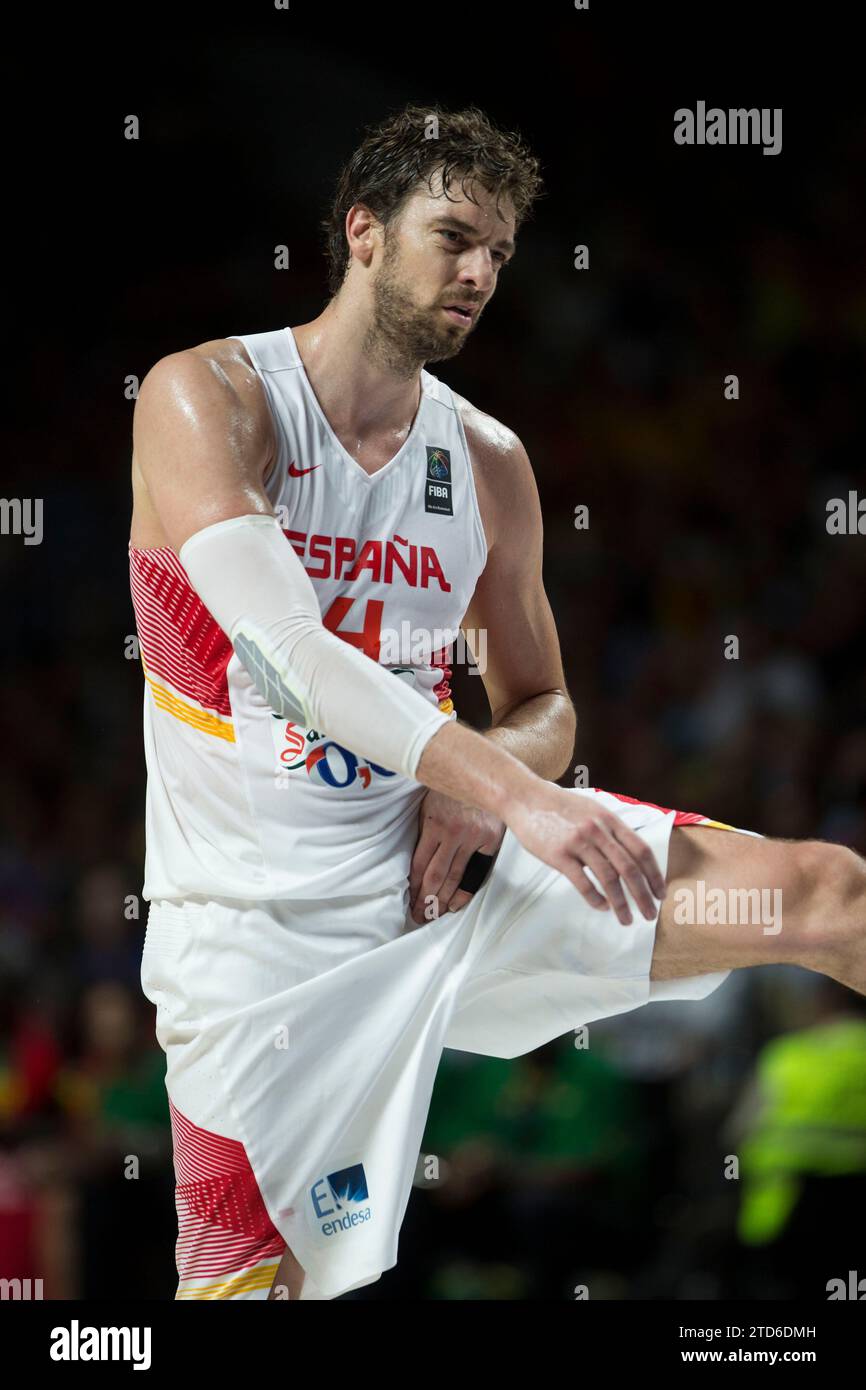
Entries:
{"x":223,"y":1224}
{"x":680,"y":817}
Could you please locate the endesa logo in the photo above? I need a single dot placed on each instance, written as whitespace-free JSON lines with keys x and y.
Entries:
{"x":324,"y":761}
{"x":339,"y":1200}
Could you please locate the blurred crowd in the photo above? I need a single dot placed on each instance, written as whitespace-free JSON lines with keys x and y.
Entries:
{"x":601,"y":1162}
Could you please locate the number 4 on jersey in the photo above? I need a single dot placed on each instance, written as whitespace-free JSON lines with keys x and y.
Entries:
{"x":369,"y":639}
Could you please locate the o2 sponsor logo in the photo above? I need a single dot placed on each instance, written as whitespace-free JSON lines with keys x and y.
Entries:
{"x":323,"y":759}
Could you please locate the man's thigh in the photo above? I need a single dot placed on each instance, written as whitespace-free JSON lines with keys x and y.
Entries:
{"x":734,"y":900}
{"x":543,"y":962}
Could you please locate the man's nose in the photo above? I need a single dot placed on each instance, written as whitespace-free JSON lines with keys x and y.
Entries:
{"x":477,"y":268}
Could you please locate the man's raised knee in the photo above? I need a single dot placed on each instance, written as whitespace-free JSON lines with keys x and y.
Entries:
{"x":846,"y":882}
{"x":826,"y":885}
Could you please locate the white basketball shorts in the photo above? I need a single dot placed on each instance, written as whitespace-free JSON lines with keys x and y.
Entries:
{"x":303,"y":1040}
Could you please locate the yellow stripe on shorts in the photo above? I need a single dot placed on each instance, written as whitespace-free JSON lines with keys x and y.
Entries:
{"x":246,"y":1281}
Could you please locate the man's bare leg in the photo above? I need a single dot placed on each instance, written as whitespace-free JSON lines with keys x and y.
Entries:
{"x":288,"y":1280}
{"x":806,"y":906}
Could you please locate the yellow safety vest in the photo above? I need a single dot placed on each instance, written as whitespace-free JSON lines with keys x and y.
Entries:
{"x":813,"y":1120}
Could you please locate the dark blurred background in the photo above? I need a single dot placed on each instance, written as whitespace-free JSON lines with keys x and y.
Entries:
{"x":600,"y":1165}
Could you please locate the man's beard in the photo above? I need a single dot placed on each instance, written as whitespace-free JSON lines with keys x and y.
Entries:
{"x":402,"y":336}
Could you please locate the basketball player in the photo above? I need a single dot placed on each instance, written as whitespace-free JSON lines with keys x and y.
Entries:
{"x":299,"y":495}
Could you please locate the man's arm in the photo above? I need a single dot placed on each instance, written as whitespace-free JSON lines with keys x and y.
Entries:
{"x":202,"y":438}
{"x":532,"y":714}
{"x":510,"y":628}
{"x":201,"y":442}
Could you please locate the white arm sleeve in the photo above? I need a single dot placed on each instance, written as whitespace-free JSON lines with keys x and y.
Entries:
{"x":252,"y":582}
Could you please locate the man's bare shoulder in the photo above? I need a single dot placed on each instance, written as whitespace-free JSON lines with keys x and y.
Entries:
{"x":217,"y":382}
{"x":221,"y":362}
{"x":500,"y":464}
{"x":214,"y":391}
{"x":228,"y":352}
{"x":491,"y":442}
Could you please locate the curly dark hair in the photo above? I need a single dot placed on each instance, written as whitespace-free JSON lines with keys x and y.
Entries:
{"x":397,"y":154}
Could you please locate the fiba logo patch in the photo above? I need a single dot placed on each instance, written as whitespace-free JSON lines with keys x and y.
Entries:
{"x":341,"y":1200}
{"x":437,"y":492}
{"x":438,"y":464}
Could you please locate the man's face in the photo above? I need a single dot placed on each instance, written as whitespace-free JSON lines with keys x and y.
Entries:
{"x":440,"y":252}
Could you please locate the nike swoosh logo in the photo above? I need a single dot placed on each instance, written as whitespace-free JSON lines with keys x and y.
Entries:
{"x":296,"y":472}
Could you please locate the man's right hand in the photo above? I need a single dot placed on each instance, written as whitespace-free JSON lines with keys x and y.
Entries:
{"x":572,"y":833}
{"x":564,"y":829}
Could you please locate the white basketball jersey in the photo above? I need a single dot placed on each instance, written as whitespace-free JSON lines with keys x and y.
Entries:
{"x":243,"y":804}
